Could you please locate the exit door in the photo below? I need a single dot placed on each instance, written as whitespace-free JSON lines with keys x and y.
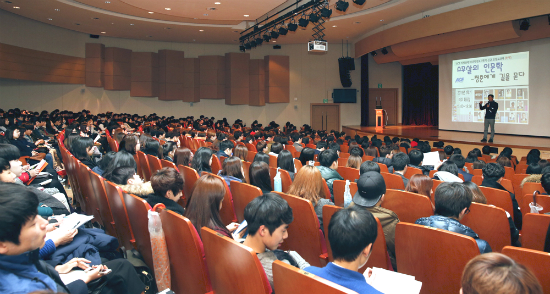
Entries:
{"x":325,"y":116}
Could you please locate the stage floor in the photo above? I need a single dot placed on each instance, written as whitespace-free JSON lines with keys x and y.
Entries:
{"x":434,"y":134}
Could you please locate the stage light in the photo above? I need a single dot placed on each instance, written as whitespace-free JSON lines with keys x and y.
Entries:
{"x":253,"y":44}
{"x":384,"y":51}
{"x":242,"y":48}
{"x":325,"y":12}
{"x":247,"y":46}
{"x":524,"y":25}
{"x":303,"y":22}
{"x":274,"y":35}
{"x":314,"y":17}
{"x":259,"y":41}
{"x":342,"y":5}
{"x":359,"y":2}
{"x":373,"y":53}
{"x":267,"y":37}
{"x":292,"y":27}
{"x":283,"y":31}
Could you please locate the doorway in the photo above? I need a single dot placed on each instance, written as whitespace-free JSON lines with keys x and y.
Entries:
{"x":325,"y":116}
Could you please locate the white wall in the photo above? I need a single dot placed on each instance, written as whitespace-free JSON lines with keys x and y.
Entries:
{"x":312,"y":78}
{"x":390,"y":76}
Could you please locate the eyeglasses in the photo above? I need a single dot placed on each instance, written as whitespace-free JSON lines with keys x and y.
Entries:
{"x":467,"y":211}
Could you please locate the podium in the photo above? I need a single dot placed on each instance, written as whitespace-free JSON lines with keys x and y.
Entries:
{"x":379,"y":118}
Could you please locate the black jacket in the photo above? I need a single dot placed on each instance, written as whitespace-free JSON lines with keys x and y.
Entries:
{"x":517,"y":213}
{"x":491,"y":109}
{"x":452,"y":225}
{"x":170,"y":204}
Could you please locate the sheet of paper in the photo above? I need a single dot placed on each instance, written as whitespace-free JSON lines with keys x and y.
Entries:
{"x":431,"y":158}
{"x":389,"y":282}
{"x":72,"y":276}
{"x":74,"y":221}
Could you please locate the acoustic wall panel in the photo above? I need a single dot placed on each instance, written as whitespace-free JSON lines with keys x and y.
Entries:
{"x":277,"y":79}
{"x":257,"y":82}
{"x":95,"y":64}
{"x":191,"y":80}
{"x":212,"y":77}
{"x":237,"y":78}
{"x":117,"y":68}
{"x":171,"y":77}
{"x":144,"y":74}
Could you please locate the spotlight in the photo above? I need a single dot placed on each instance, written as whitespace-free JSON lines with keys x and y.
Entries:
{"x":373,"y":53}
{"x":267,"y":37}
{"x":342,"y":5}
{"x":314,"y":17}
{"x":303,"y":22}
{"x":283,"y":31}
{"x":259,"y":41}
{"x":242,"y":48}
{"x":274,"y":35}
{"x":247,"y":46}
{"x":292,"y":27}
{"x":325,"y":12}
{"x":384,"y":51}
{"x":359,"y":2}
{"x":524,"y":25}
{"x":253,"y":44}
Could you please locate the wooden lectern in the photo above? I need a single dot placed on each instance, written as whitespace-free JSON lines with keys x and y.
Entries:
{"x":379,"y":119}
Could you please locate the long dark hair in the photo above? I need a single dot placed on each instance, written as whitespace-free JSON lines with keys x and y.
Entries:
{"x":80,"y":147}
{"x":122,"y":158}
{"x":203,"y":208}
{"x":152,"y":147}
{"x":259,"y":175}
{"x":201,"y":160}
{"x":306,"y":155}
{"x":260,"y":156}
{"x":182,"y":156}
{"x":232,"y":166}
{"x":285,"y":161}
{"x":128,"y":144}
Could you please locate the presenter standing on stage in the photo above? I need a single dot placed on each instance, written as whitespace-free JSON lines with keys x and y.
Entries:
{"x":490,"y":112}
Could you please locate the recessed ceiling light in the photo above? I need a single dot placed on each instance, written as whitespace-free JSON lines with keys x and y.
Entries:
{"x":57,"y":9}
{"x":131,"y":24}
{"x":168,"y":8}
{"x":150,"y":12}
{"x":333,"y":26}
{"x":246,"y":15}
{"x":201,"y":30}
{"x":107,"y":2}
{"x":381,"y":20}
{"x":50,"y":18}
{"x":17,"y":7}
{"x":103,"y":32}
{"x":217,"y":3}
{"x":274,"y":41}
{"x":206,"y":14}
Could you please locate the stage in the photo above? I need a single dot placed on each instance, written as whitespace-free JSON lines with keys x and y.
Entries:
{"x":521,"y":144}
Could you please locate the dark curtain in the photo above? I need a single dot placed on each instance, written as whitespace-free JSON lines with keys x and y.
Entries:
{"x":365,"y":90}
{"x":421,"y":94}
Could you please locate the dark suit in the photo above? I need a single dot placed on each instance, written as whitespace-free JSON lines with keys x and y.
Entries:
{"x":467,"y":176}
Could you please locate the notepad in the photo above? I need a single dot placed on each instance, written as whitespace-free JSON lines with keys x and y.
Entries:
{"x":390,"y":282}
{"x":74,"y":221}
{"x":431,"y":158}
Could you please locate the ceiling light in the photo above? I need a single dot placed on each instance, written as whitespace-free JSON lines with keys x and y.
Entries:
{"x":206,"y":14}
{"x":103,"y":32}
{"x":342,"y":5}
{"x":253,"y":44}
{"x":57,"y":9}
{"x":217,"y":3}
{"x":274,"y":35}
{"x":314,"y":17}
{"x":259,"y":40}
{"x":373,"y":53}
{"x":131,"y":24}
{"x":201,"y":30}
{"x":17,"y":7}
{"x":150,"y":12}
{"x":283,"y":31}
{"x":168,"y":8}
{"x":325,"y":12}
{"x":384,"y":51}
{"x":274,"y":41}
{"x":333,"y":26}
{"x":50,"y":18}
{"x":267,"y":37}
{"x":524,"y":25}
{"x":107,"y":2}
{"x":381,"y":20}
{"x":247,"y":46}
{"x":359,"y":2}
{"x":292,"y":27}
{"x":303,"y":22}
{"x":246,"y":15}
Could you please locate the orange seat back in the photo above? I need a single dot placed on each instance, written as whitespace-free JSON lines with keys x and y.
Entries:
{"x":216,"y":164}
{"x":542,"y":200}
{"x":383,"y":167}
{"x":297,"y":165}
{"x":272,"y":161}
{"x":88,"y":192}
{"x":154,"y":164}
{"x":137,"y":215}
{"x":408,"y":206}
{"x":165,"y":163}
{"x":242,"y":195}
{"x":348,"y":173}
{"x":533,"y":231}
{"x":98,"y":184}
{"x":190,"y":177}
{"x":250,"y":147}
{"x":516,"y":182}
{"x":498,"y":198}
{"x":490,"y":223}
{"x":477,"y":172}
{"x":327,"y":190}
{"x":250,"y":156}
{"x":144,"y":163}
{"x":434,"y":257}
{"x":410,"y":171}
{"x":538,"y":262}
{"x":120,"y":217}
{"x":521,"y":168}
{"x":509,"y":173}
{"x":290,"y":148}
{"x":477,"y":180}
{"x":393,"y":181}
{"x":224,"y":254}
{"x":339,"y":187}
{"x":180,"y":233}
{"x":507,"y":184}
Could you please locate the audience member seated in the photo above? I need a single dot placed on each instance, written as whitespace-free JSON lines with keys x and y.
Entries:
{"x":355,"y":158}
{"x":259,"y":176}
{"x":420,"y":184}
{"x":447,"y":172}
{"x":452,"y":202}
{"x":400,"y":162}
{"x":545,"y":182}
{"x":276,"y":148}
{"x":24,"y":232}
{"x":478,"y":197}
{"x":320,"y":146}
{"x":297,"y":139}
{"x":104,"y":163}
{"x":130,"y":144}
{"x":504,"y":161}
{"x":309,"y":185}
{"x":262,"y":147}
{"x":328,"y":168}
{"x":472,"y":156}
{"x":226,"y":149}
{"x":385,"y":158}
{"x":368,"y":166}
{"x":167,"y":184}
{"x":370,"y":195}
{"x":352,"y":232}
{"x":479,"y":164}
{"x":126,"y":178}
{"x":202,"y":161}
{"x":534,"y":169}
{"x":497,"y":273}
{"x":83,"y":149}
{"x":241,"y":152}
{"x":416,"y":157}
{"x":27,"y":148}
{"x":285,"y":161}
{"x":183,"y":156}
{"x":232,"y":170}
{"x":448,"y":150}
{"x":492,"y":175}
{"x":168,"y":151}
{"x":204,"y":205}
{"x":261,"y":157}
{"x":307,"y":155}
{"x":458,"y":159}
{"x":268,"y":217}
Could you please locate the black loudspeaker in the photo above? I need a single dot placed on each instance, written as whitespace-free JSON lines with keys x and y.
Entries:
{"x":345,"y":64}
{"x":94,"y":36}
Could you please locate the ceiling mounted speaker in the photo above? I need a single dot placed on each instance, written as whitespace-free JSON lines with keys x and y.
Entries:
{"x":359,"y":2}
{"x":342,"y":5}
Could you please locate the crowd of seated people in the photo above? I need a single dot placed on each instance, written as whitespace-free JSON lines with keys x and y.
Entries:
{"x":268,"y":216}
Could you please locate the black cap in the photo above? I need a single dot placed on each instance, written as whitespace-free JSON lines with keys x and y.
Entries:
{"x":370,"y":188}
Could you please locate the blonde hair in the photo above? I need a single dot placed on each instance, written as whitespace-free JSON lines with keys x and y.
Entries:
{"x":308,"y":184}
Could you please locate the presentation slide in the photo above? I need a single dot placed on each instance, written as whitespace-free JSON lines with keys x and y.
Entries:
{"x":505,"y":76}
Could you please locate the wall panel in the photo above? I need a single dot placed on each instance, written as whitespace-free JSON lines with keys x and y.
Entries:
{"x":144,"y":74}
{"x":277,"y":79}
{"x":171,"y":75}
{"x":95,"y":65}
{"x":191,"y":80}
{"x":118,"y":63}
{"x":237,"y":78}
{"x":212,"y":77}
